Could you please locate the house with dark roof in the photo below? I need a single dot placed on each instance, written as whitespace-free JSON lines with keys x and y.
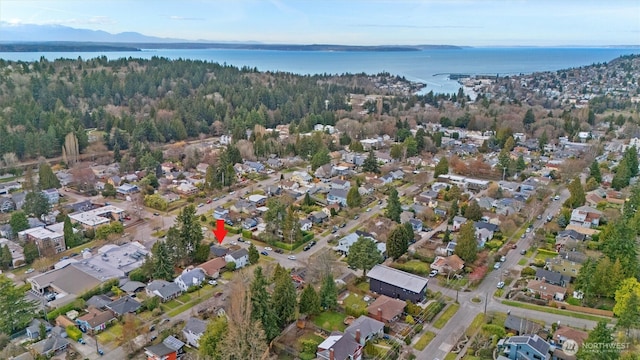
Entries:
{"x":132,"y":287}
{"x":339,"y":346}
{"x":168,"y":349}
{"x":386,"y":309}
{"x":525,"y":347}
{"x":99,"y":301}
{"x":52,"y":345}
{"x":517,"y":325}
{"x":124,"y":305}
{"x":397,"y":284}
{"x":239,"y":257}
{"x":33,"y":330}
{"x":552,"y":277}
{"x":189,"y":278}
{"x":95,"y":320}
{"x":163,"y":289}
{"x":218,"y":251}
{"x":565,"y":236}
{"x":318,"y":217}
{"x":193,"y":330}
{"x":364,"y":329}
{"x":337,"y":196}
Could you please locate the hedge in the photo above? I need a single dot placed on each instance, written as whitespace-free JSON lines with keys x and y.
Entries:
{"x":100,"y":289}
{"x":73,"y":332}
{"x":233,"y":230}
{"x":78,"y":305}
{"x":247,"y":234}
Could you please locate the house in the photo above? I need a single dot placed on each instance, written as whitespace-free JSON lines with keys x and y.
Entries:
{"x":546,"y":291}
{"x":552,"y":277}
{"x":301,"y":177}
{"x":416,"y":225}
{"x":220,"y":213}
{"x":458,"y":221}
{"x":33,"y":330}
{"x":525,"y":347}
{"x":427,"y":198}
{"x":124,"y":305}
{"x":114,"y":180}
{"x":17,"y":252}
{"x":569,"y":235}
{"x":132,"y":287}
{"x":212,"y":267}
{"x":305,"y":225}
{"x":447,"y":265}
{"x":258,"y":200}
{"x":201,"y":168}
{"x":517,"y":325}
{"x":571,"y":337}
{"x":239,"y":257}
{"x":386,"y":309}
{"x":397,"y":284}
{"x":127,"y":189}
{"x":168,"y":349}
{"x":95,"y":320}
{"x":325,"y":172}
{"x":254,"y":166}
{"x":339,"y":346}
{"x":163,"y":289}
{"x":397,"y":174}
{"x":54,"y":344}
{"x":289,"y":185}
{"x":6,"y":188}
{"x":386,"y":179}
{"x":218,"y":251}
{"x":243,"y":206}
{"x":365,"y":329}
{"x":91,"y":219}
{"x":318,"y":217}
{"x":46,"y":238}
{"x":340,"y":184}
{"x":585,"y":216}
{"x":366,"y":189}
{"x":345,"y":243}
{"x":193,"y":330}
{"x":7,"y":205}
{"x":337,"y":196}
{"x":186,"y":188}
{"x":189,"y":278}
{"x":52,"y":195}
{"x":98,"y":301}
{"x":484,"y":232}
{"x":250,"y":224}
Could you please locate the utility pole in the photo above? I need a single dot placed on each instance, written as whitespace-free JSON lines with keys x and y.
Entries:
{"x":486,"y":299}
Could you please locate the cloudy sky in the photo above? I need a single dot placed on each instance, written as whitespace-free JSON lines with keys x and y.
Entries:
{"x":352,"y":22}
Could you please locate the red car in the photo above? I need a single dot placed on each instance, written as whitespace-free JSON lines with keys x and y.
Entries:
{"x":127,"y":217}
{"x":209,"y":201}
{"x":514,"y":246}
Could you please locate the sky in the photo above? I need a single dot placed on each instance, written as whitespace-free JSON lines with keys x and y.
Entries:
{"x":349,"y":22}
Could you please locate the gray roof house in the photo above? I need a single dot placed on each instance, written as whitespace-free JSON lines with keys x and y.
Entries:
{"x":189,"y":278}
{"x":518,"y":325}
{"x":164,"y":289}
{"x":397,"y":284}
{"x":337,"y":196}
{"x":193,"y":330}
{"x":367,"y":327}
{"x":524,"y":347}
{"x":124,"y":305}
{"x":99,"y":301}
{"x":52,"y":345}
{"x":239,"y":257}
{"x":33,"y":330}
{"x":552,"y":277}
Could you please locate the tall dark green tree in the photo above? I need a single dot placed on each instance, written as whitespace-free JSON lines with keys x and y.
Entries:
{"x":622,"y":176}
{"x":189,"y":231}
{"x":529,"y":118}
{"x":17,"y":310}
{"x":520,"y":164}
{"x":309,"y":301}
{"x":284,"y":300}
{"x":18,"y":222}
{"x":394,"y":208}
{"x":261,"y":305}
{"x":631,"y":155}
{"x":328,"y":293}
{"x":397,"y":242}
{"x":36,"y":203}
{"x":354,"y":199}
{"x":601,"y":334}
{"x":70,"y":238}
{"x":577,"y":197}
{"x":31,"y":252}
{"x":371,"y":163}
{"x":364,"y":254}
{"x":594,"y":171}
{"x":48,"y":179}
{"x":254,"y":255}
{"x":467,"y":246}
{"x":473,"y":211}
{"x":442,"y":168}
{"x":320,"y":158}
{"x":163,"y":263}
{"x":5,"y":257}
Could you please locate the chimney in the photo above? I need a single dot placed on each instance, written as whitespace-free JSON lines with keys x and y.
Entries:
{"x":331,"y":355}
{"x":380,"y":314}
{"x":358,"y":336}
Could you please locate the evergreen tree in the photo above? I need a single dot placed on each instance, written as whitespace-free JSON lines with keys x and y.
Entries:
{"x":594,"y":171}
{"x":420,"y":143}
{"x":599,"y":335}
{"x":254,"y":255}
{"x":631,"y":154}
{"x":354,"y":199}
{"x":70,"y":238}
{"x":394,"y":208}
{"x":442,"y":168}
{"x":212,"y":338}
{"x":189,"y":232}
{"x":622,"y":175}
{"x":309,"y":301}
{"x":543,"y":140}
{"x":320,"y":158}
{"x":31,"y":252}
{"x":6,"y":259}
{"x":371,"y":163}
{"x":162,"y":262}
{"x":473,"y":211}
{"x":397,"y":242}
{"x":117,"y":157}
{"x":364,"y":254}
{"x":577,"y":197}
{"x":284,"y":300}
{"x":261,"y":305}
{"x":467,"y":246}
{"x":328,"y":293}
{"x":48,"y":179}
{"x":36,"y":203}
{"x":18,"y":222}
{"x":528,"y":119}
{"x":308,"y":201}
{"x":520,"y":164}
{"x":17,"y":310}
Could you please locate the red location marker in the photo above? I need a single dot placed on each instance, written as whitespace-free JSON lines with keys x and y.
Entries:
{"x":220,"y":231}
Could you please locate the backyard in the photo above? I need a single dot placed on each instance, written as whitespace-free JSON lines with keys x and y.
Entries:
{"x":330,"y":321}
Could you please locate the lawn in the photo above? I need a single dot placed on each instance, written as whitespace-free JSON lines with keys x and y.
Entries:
{"x":414,"y":266}
{"x":355,"y":302}
{"x":330,"y":320}
{"x":364,"y":286}
{"x":424,"y":340}
{"x":522,"y":261}
{"x":171,"y":304}
{"x":451,"y":356}
{"x":111,"y":334}
{"x":446,"y":316}
{"x":186,"y":306}
{"x":475,"y":325}
{"x":555,"y":311}
{"x":184,"y":298}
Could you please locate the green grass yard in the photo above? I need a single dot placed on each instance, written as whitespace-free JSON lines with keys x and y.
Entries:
{"x":555,"y":311}
{"x":446,"y":316}
{"x":425,"y":339}
{"x":330,"y":320}
{"x":414,"y":266}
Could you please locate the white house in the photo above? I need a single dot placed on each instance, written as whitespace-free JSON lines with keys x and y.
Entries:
{"x":239,"y":257}
{"x":193,"y":330}
{"x":189,"y":278}
{"x":345,"y":243}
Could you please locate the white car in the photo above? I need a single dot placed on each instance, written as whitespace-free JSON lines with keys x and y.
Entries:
{"x":500,"y":284}
{"x":433,"y":273}
{"x":268,"y":248}
{"x":291,"y":257}
{"x":213,"y":282}
{"x":497,"y":265}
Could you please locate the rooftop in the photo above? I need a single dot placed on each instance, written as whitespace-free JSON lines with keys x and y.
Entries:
{"x":398,"y":278}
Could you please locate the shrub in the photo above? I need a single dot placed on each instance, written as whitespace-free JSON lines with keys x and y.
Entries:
{"x":73,"y":332}
{"x":247,"y":234}
{"x":528,"y":271}
{"x":230,"y":266}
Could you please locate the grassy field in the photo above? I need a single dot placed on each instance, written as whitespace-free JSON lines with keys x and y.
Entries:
{"x":446,"y":316}
{"x":555,"y":311}
{"x":424,"y":340}
{"x":355,"y":302}
{"x":475,"y":325}
{"x":111,"y":334}
{"x":364,"y":286}
{"x":522,"y":261}
{"x":330,"y":320}
{"x":414,"y":266}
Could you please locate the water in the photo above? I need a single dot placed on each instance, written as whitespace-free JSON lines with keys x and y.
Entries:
{"x":431,"y":67}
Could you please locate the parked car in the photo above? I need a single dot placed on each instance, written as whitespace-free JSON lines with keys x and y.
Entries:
{"x":264,"y":253}
{"x":433,"y":273}
{"x":156,"y":214}
{"x":200,"y":205}
{"x":268,"y":248}
{"x":278,"y":251}
{"x":514,"y":246}
{"x":500,"y":284}
{"x":497,"y":265}
{"x":209,"y":201}
{"x":523,"y":252}
{"x":81,"y":341}
{"x":503,"y":258}
{"x":291,"y":257}
{"x":213,"y":282}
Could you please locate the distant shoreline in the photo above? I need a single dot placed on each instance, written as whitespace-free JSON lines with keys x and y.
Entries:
{"x":98,"y":47}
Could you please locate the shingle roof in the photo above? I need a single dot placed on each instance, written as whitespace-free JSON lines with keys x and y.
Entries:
{"x":124,"y":305}
{"x":365,"y":324}
{"x":164,"y":288}
{"x":195,"y":326}
{"x":398,"y":278}
{"x":521,"y":325}
{"x":390,"y":307}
